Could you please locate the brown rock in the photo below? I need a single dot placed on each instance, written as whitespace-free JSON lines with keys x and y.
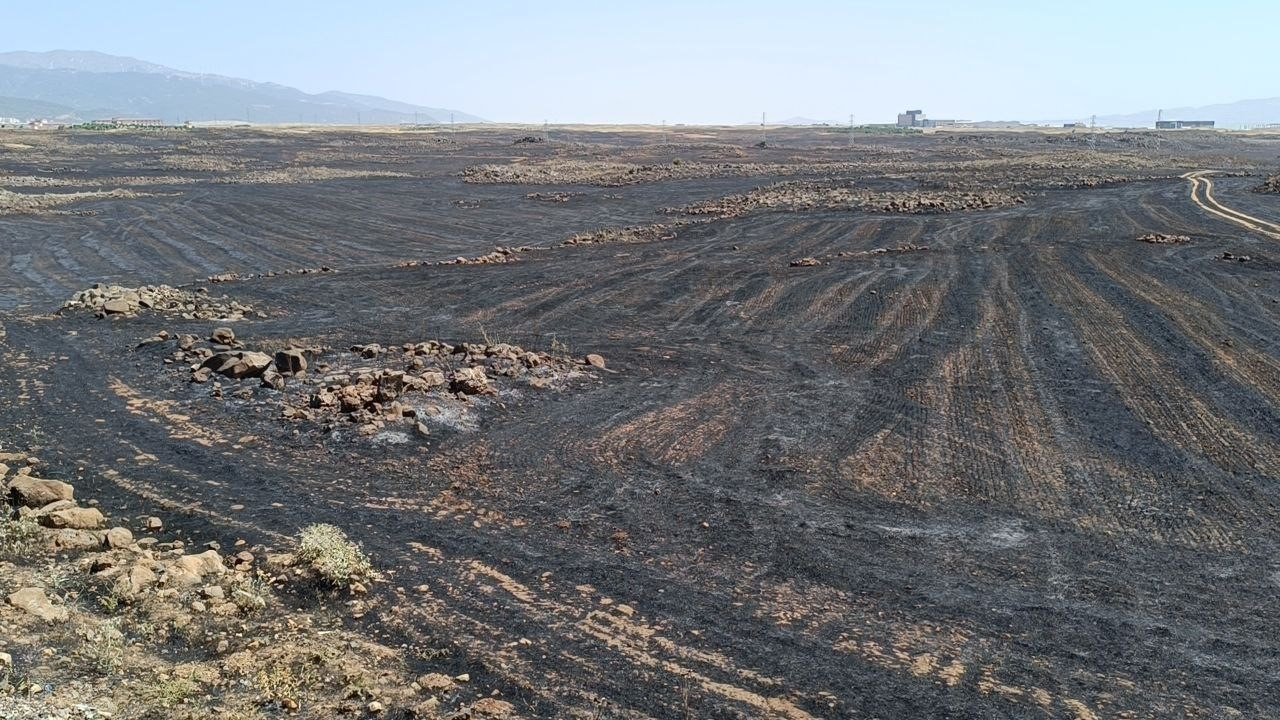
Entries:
{"x":291,"y":361}
{"x":119,"y":306}
{"x":492,"y":708}
{"x":34,"y":601}
{"x":223,"y":336}
{"x":238,"y":364}
{"x":202,"y":375}
{"x":595,"y":361}
{"x":68,"y":539}
{"x":118,"y":537}
{"x":34,"y":492}
{"x":273,"y":380}
{"x":471,"y":381}
{"x":154,"y":523}
{"x":140,"y":578}
{"x":191,"y":569}
{"x":435,"y":682}
{"x":75,"y":518}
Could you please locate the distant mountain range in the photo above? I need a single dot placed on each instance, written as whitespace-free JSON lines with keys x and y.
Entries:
{"x":1226,"y":115}
{"x":79,"y":86}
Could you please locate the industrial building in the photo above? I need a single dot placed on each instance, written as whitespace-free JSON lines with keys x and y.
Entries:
{"x":1180,"y":124}
{"x":911,"y":118}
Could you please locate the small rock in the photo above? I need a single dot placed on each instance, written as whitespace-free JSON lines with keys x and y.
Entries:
{"x":435,"y":682}
{"x":223,"y":336}
{"x":375,"y":707}
{"x":595,"y":361}
{"x":202,"y":375}
{"x":154,"y":523}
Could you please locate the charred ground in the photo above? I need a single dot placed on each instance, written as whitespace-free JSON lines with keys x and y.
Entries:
{"x":987,"y":455}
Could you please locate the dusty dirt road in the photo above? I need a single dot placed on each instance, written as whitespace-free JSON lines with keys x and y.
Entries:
{"x":996,"y":463}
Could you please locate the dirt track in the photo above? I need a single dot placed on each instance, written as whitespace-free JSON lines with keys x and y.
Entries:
{"x":1016,"y":465}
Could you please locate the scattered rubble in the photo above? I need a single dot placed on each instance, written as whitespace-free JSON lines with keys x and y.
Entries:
{"x":1271,"y":186}
{"x":807,"y":196}
{"x":119,"y":300}
{"x":806,"y":262}
{"x":89,"y":628}
{"x":1163,"y":239}
{"x":555,"y":197}
{"x":527,"y":140}
{"x":1234,"y":257}
{"x":374,"y":387}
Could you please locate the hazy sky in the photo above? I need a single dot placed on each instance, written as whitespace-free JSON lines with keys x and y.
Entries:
{"x":702,"y":61}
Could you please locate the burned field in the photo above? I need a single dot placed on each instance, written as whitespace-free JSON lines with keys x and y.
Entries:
{"x":956,"y":425}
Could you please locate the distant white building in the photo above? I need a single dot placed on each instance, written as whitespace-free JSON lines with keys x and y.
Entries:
{"x":10,"y":121}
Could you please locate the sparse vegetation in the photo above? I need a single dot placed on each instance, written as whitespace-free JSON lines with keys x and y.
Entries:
{"x":20,"y":539}
{"x":332,"y":556}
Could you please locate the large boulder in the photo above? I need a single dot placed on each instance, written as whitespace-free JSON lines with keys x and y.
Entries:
{"x":34,"y":601}
{"x":34,"y":492}
{"x":190,"y":570}
{"x":75,"y":518}
{"x":238,"y":364}
{"x":291,"y":361}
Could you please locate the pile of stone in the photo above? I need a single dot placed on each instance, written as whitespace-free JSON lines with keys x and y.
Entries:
{"x":1270,"y":187}
{"x":499,"y":256}
{"x":806,"y":262}
{"x":527,"y":140}
{"x":122,"y":301}
{"x":231,"y":277}
{"x":223,"y":355}
{"x":1163,"y":239}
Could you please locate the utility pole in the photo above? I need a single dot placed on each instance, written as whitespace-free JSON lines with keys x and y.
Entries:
{"x":1093,"y":129}
{"x":764,"y":134}
{"x":850,"y":129}
{"x":546,"y":132}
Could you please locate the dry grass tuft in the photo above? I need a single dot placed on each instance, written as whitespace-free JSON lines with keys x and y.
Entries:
{"x":336,"y":559}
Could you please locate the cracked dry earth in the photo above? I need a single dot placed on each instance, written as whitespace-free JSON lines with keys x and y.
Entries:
{"x":998,"y":460}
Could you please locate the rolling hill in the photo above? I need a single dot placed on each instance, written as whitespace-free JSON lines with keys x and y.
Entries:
{"x":82,"y":85}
